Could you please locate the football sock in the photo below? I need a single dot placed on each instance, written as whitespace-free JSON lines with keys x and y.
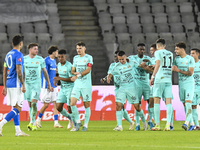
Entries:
{"x":195,"y":117}
{"x":34,"y":111}
{"x":169,"y":113}
{"x":126,"y":116}
{"x":157,"y":113}
{"x":65,"y":113}
{"x":119,"y":117}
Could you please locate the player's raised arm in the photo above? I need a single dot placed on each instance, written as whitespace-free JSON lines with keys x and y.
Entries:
{"x":4,"y":92}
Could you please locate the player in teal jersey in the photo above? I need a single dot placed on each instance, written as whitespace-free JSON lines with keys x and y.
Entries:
{"x":142,"y":82}
{"x":196,"y":99}
{"x":64,"y":71}
{"x":33,"y":64}
{"x":127,"y":88}
{"x":163,"y":82}
{"x":184,"y":65}
{"x":82,"y":65}
{"x":116,"y":84}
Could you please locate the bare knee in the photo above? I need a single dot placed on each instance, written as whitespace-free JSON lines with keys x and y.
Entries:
{"x":118,"y":106}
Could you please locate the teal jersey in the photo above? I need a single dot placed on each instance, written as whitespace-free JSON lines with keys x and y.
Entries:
{"x":65,"y":72}
{"x":81,"y":63}
{"x":140,"y":75}
{"x":184,"y":64}
{"x":32,"y":68}
{"x":126,"y":73}
{"x":164,"y":74}
{"x":115,"y":77}
{"x":197,"y":76}
{"x":153,"y":61}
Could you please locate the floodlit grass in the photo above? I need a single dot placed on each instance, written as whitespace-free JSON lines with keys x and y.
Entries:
{"x":100,"y":136}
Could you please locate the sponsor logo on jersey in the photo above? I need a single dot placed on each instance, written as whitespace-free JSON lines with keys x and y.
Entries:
{"x":124,"y":67}
{"x":181,"y":62}
{"x":19,"y":59}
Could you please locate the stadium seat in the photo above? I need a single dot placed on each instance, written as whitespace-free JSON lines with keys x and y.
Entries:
{"x":123,"y":38}
{"x":171,"y":8}
{"x":187,"y":17}
{"x":167,"y":36}
{"x":179,"y":37}
{"x":106,"y":28}
{"x":176,"y":27}
{"x":101,"y":7}
{"x":3,"y":38}
{"x":162,"y":27}
{"x":11,"y":35}
{"x":50,"y":1}
{"x":52,"y":8}
{"x":120,"y":28}
{"x":168,"y":1}
{"x":53,"y":19}
{"x":99,"y":1}
{"x":157,"y":8}
{"x":104,"y":18}
{"x":148,"y":28}
{"x":190,"y":27}
{"x":134,"y":28}
{"x":40,"y":28}
{"x":140,"y":1}
{"x":2,"y":28}
{"x":119,"y":18}
{"x":27,"y":27}
{"x":154,"y":1}
{"x":115,"y":8}
{"x":13,"y":28}
{"x":160,"y":18}
{"x":55,"y":28}
{"x":193,"y":37}
{"x":132,"y":18}
{"x":137,"y":38}
{"x":112,"y":1}
{"x":130,"y":8}
{"x":109,"y":38}
{"x":43,"y":37}
{"x":186,"y":7}
{"x":146,"y":18}
{"x":181,"y":1}
{"x":174,"y":18}
{"x":29,"y":38}
{"x":151,"y":37}
{"x":144,"y":8}
{"x":58,"y":39}
{"x":127,"y":1}
{"x":6,"y":47}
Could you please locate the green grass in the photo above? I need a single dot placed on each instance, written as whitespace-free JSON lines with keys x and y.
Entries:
{"x":100,"y":136}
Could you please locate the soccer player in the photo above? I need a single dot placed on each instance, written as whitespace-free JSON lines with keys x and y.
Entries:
{"x":142,"y":82}
{"x":195,"y":54}
{"x":46,"y":96}
{"x":33,"y":64}
{"x":127,"y":88}
{"x":184,"y":65}
{"x":14,"y":84}
{"x":82,"y":65}
{"x":116,"y":84}
{"x":163,"y":82}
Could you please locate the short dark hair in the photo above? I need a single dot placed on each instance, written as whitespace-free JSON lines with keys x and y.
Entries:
{"x":181,"y":45}
{"x":16,"y":40}
{"x":116,"y":52}
{"x":62,"y":51}
{"x":196,"y":49}
{"x":153,"y":45}
{"x":52,"y":49}
{"x":121,"y":53}
{"x":160,"y":40}
{"x":80,"y":44}
{"x":31,"y":45}
{"x":140,"y":44}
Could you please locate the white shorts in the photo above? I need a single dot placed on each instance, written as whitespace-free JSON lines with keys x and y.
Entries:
{"x":48,"y":97}
{"x":14,"y":96}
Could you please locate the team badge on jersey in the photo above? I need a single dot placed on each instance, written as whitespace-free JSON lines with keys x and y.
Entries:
{"x":37,"y":62}
{"x":85,"y":61}
{"x":124,"y":67}
{"x":64,"y":71}
{"x":186,"y":62}
{"x":181,"y":62}
{"x":19,"y":59}
{"x":128,"y":66}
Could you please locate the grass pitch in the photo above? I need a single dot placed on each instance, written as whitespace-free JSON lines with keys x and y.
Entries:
{"x":100,"y":136}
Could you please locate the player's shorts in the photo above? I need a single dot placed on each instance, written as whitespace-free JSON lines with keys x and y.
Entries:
{"x":32,"y":91}
{"x":196,"y":98}
{"x":151,"y":93}
{"x":14,"y":96}
{"x":48,"y":97}
{"x":124,"y":93}
{"x":186,"y":92}
{"x":86,"y":93}
{"x":163,"y":90}
{"x":143,"y":91}
{"x":64,"y":96}
{"x":116,"y":89}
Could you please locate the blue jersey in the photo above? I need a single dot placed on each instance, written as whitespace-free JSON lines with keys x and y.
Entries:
{"x":13,"y":58}
{"x":51,"y":69}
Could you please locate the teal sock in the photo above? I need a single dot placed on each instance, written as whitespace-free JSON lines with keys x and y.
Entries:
{"x":188,"y":112}
{"x":195,"y":117}
{"x":75,"y":113}
{"x":137,"y":118}
{"x":185,"y":109}
{"x":169,"y":113}
{"x":34,"y":111}
{"x":150,"y":111}
{"x":172,"y":117}
{"x":65,"y":113}
{"x":126,"y":116}
{"x":141,"y":114}
{"x":87,"y":115}
{"x":119,"y":117}
{"x":157,"y":113}
{"x":30,"y":112}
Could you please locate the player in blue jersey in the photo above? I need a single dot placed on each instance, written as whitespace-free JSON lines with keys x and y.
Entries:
{"x":46,"y":96}
{"x":184,"y":65}
{"x":127,"y":89}
{"x":142,"y":82}
{"x":64,"y":71}
{"x":33,"y":65}
{"x":82,"y":65}
{"x":116,"y":84}
{"x":196,"y":99}
{"x":162,"y":80}
{"x":13,"y":82}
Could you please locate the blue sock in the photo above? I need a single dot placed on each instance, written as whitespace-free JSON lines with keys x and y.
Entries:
{"x":87,"y":115}
{"x":11,"y":114}
{"x":34,"y":111}
{"x":119,"y":117}
{"x":141,"y":114}
{"x":157,"y":113}
{"x":189,"y":112}
{"x":169,"y":113}
{"x":137,"y":118}
{"x":40,"y":115}
{"x":195,"y":117}
{"x":126,"y":116}
{"x":16,"y":120}
{"x":65,"y":113}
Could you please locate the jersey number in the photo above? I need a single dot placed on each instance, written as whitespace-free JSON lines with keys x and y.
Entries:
{"x":7,"y":61}
{"x":170,"y":64}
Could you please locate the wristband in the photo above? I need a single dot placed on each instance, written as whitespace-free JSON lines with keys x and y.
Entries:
{"x":79,"y":75}
{"x":153,"y":76}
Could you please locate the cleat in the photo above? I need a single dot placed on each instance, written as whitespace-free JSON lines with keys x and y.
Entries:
{"x":137,"y":128}
{"x":171,"y":128}
{"x":118,"y":128}
{"x":78,"y":126}
{"x":115,"y":128}
{"x":38,"y":124}
{"x":150,"y":125}
{"x":1,"y":132}
{"x":145,"y":126}
{"x":191,"y":128}
{"x":34,"y":128}
{"x":197,"y":128}
{"x":57,"y":125}
{"x":73,"y":129}
{"x":70,"y":124}
{"x":29,"y":126}
{"x":84,"y":129}
{"x":131,"y":127}
{"x":167,"y":128}
{"x":156,"y":128}
{"x":21,"y":134}
{"x":184,"y":126}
